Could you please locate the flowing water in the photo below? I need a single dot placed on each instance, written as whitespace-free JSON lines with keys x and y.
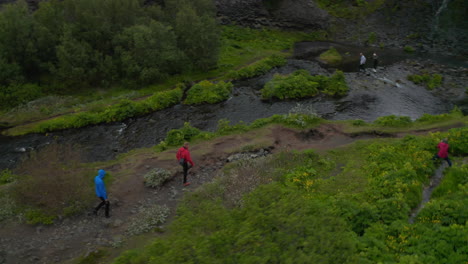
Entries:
{"x":371,"y":96}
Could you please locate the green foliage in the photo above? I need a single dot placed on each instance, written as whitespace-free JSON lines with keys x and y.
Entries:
{"x":117,"y":112}
{"x":208,"y":92}
{"x":94,"y":257}
{"x":355,"y":201}
{"x":393,"y":121}
{"x":8,"y":207}
{"x":6,"y":176}
{"x":156,"y":177}
{"x":430,"y":81}
{"x":177,"y":137}
{"x":408,"y":49}
{"x":359,"y":122}
{"x":331,"y":56}
{"x":372,"y":38}
{"x":301,"y":84}
{"x":16,"y":94}
{"x":35,"y":216}
{"x":258,"y":68}
{"x":97,"y":43}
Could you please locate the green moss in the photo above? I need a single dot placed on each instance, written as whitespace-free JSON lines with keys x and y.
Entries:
{"x":331,"y":56}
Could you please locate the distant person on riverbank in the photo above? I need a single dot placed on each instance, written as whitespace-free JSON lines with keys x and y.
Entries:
{"x":443,"y":147}
{"x":362,"y":62}
{"x":101,"y":192}
{"x":184,"y":159}
{"x":376,"y":61}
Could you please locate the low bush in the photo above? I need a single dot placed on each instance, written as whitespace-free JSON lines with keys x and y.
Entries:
{"x":393,"y":121}
{"x":7,"y":176}
{"x":15,"y":95}
{"x":52,"y":183}
{"x":331,"y":56}
{"x":208,"y":92}
{"x":359,"y":122}
{"x":301,"y":84}
{"x":8,"y":207}
{"x":431,"y":81}
{"x":408,"y":49}
{"x":156,"y":177}
{"x":148,"y":218}
{"x":336,"y":85}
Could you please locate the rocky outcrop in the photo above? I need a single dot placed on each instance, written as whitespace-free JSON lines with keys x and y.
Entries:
{"x":290,"y":14}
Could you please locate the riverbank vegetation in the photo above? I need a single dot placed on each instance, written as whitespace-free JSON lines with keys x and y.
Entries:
{"x":67,"y":65}
{"x":208,"y":92}
{"x":301,"y":84}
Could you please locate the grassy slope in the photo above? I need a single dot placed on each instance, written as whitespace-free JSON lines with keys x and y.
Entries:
{"x":342,"y":173}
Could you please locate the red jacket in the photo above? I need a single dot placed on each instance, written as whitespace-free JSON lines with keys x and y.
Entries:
{"x":184,"y":153}
{"x":443,"y":150}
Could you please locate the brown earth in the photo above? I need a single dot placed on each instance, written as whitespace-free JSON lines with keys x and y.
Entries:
{"x":85,"y":234}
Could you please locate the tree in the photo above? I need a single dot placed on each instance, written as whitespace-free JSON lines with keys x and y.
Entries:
{"x":148,"y":53}
{"x":197,"y":31}
{"x":18,"y":49}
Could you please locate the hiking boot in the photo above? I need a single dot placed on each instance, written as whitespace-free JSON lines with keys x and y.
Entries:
{"x":95,"y":213}
{"x":187,"y":184}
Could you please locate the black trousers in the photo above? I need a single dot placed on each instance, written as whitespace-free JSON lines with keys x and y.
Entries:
{"x":103,"y":202}
{"x":186,"y":167}
{"x":376,"y":63}
{"x":361,"y":67}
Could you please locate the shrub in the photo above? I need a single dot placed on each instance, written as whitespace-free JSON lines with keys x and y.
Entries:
{"x":336,"y":85}
{"x":331,"y":56}
{"x":7,"y":207}
{"x":208,"y":92}
{"x":296,"y":85}
{"x":6,"y":176}
{"x":428,"y":80}
{"x":14,"y":95}
{"x":148,"y":219}
{"x":156,"y":177}
{"x":393,"y":121}
{"x":301,"y":84}
{"x":372,"y":38}
{"x":408,"y":49}
{"x":35,"y":216}
{"x":51,"y":181}
{"x":359,"y":122}
{"x":176,"y":137}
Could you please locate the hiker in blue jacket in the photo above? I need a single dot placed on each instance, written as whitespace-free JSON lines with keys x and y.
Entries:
{"x":101,"y":192}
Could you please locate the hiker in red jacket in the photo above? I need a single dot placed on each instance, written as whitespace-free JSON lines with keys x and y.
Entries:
{"x":443,"y":147}
{"x":183,"y":157}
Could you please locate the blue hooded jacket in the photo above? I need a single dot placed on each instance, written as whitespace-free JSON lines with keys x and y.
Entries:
{"x":100,"y":188}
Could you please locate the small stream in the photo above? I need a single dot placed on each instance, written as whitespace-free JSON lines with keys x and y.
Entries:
{"x":371,"y":95}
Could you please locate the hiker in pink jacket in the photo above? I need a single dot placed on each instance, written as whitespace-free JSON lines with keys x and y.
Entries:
{"x":443,"y":147}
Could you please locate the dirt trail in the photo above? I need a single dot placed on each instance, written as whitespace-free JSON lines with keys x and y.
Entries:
{"x":71,"y":238}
